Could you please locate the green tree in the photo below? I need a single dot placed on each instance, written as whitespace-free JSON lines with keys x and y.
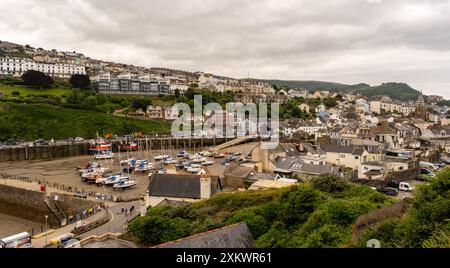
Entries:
{"x":37,"y":79}
{"x":277,"y":237}
{"x":80,"y":81}
{"x":330,"y":183}
{"x":156,"y":229}
{"x":177,"y":93}
{"x":298,"y":204}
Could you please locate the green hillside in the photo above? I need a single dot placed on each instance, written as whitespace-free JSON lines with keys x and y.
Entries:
{"x":426,"y":224}
{"x":35,"y":121}
{"x":320,"y":214}
{"x":308,"y":215}
{"x":399,"y":91}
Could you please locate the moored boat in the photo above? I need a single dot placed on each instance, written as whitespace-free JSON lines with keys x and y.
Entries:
{"x":124,"y":184}
{"x":108,"y":155}
{"x":100,"y":147}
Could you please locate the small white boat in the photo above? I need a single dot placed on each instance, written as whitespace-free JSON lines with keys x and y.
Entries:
{"x":194,"y":170}
{"x":161,"y":157}
{"x":127,"y":161}
{"x":124,"y":184}
{"x":169,"y":160}
{"x":192,"y":166}
{"x":206,"y":153}
{"x":104,"y":156}
{"x":199,"y":160}
{"x":143,"y":168}
{"x":112,"y":180}
{"x":207,"y":163}
{"x":92,"y":170}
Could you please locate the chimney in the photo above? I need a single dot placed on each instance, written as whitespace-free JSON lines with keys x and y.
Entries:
{"x":205,"y":186}
{"x":171,"y":169}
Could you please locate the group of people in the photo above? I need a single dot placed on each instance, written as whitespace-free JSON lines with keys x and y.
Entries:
{"x":126,"y":211}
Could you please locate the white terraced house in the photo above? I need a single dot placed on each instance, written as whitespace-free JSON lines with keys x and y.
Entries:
{"x":18,"y":66}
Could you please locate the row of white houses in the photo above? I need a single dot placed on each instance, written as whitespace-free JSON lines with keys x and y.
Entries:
{"x":18,"y":66}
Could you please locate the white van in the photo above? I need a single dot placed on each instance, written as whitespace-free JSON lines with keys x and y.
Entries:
{"x":22,"y":240}
{"x":406,"y":187}
{"x":428,"y":165}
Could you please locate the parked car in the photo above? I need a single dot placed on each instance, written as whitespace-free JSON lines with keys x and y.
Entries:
{"x":428,"y":172}
{"x":40,"y":142}
{"x":427,"y":165}
{"x":405,"y":186}
{"x":79,"y":139}
{"x":11,"y":142}
{"x":440,"y":164}
{"x":388,"y":191}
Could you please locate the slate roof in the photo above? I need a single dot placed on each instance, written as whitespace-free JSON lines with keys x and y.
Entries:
{"x":290,"y":148}
{"x":297,"y":165}
{"x":236,"y":170}
{"x":232,"y":236}
{"x":262,"y":176}
{"x":318,"y":169}
{"x":384,"y":129}
{"x":177,"y":185}
{"x":342,"y":149}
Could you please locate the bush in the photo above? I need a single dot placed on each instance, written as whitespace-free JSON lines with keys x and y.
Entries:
{"x":80,"y":81}
{"x":256,"y":223}
{"x":15,"y":93}
{"x":298,"y":204}
{"x":330,"y":183}
{"x":158,"y":229}
{"x":37,"y":79}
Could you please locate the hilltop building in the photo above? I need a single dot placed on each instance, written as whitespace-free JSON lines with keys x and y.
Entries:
{"x":421,"y":108}
{"x":18,"y":66}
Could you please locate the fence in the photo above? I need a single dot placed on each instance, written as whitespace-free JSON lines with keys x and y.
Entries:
{"x":78,"y":192}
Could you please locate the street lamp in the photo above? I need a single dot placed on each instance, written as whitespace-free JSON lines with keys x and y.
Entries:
{"x":46,"y":230}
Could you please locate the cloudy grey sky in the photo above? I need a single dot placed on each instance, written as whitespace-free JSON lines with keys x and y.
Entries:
{"x":347,"y":41}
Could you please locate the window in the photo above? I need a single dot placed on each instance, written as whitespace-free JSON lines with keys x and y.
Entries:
{"x":356,"y":157}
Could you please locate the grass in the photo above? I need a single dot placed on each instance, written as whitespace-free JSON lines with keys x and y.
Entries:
{"x":156,"y":100}
{"x":36,"y":121}
{"x":7,"y":90}
{"x":304,"y":216}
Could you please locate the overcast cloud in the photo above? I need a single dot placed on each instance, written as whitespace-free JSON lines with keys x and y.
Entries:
{"x":347,"y":41}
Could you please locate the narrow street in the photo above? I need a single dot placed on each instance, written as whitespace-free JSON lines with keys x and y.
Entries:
{"x":116,"y":223}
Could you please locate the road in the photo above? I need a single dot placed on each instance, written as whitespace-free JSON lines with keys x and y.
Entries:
{"x":116,"y":223}
{"x":117,"y":219}
{"x":41,"y":242}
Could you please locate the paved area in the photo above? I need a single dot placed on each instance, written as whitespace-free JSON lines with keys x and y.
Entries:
{"x":10,"y":225}
{"x":41,"y":242}
{"x":118,"y":220}
{"x":117,"y":223}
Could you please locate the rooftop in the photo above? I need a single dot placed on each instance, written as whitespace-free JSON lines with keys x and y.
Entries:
{"x":232,"y":236}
